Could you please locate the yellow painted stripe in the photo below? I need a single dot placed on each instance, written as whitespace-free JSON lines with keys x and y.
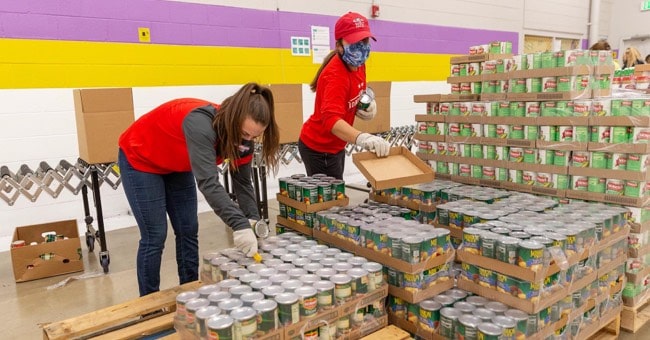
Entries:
{"x":65,"y":64}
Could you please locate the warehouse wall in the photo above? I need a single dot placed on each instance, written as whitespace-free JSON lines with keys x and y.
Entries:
{"x":206,"y":49}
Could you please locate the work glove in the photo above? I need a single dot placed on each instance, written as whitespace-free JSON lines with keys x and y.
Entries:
{"x":368,"y":113}
{"x":246,"y":241}
{"x":373,"y":143}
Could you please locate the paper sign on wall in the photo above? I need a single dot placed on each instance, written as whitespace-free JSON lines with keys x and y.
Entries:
{"x":300,"y":46}
{"x":320,"y":37}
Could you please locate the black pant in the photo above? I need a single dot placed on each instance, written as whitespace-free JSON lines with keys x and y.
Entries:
{"x":330,"y":164}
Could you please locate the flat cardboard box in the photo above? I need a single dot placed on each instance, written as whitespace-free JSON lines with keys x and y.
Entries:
{"x":314,"y":207}
{"x":641,"y":121}
{"x":562,"y":146}
{"x":26,"y":261}
{"x":427,"y":98}
{"x":602,"y":323}
{"x":606,"y":198}
{"x":508,"y":120}
{"x":619,"y":147}
{"x":495,"y":76}
{"x":389,"y":332}
{"x":533,"y":189}
{"x":381,"y":122}
{"x":382,"y":258}
{"x":572,"y":121}
{"x":400,"y":168}
{"x":101,"y":115}
{"x":463,"y":79}
{"x":611,"y":174}
{"x":430,"y":118}
{"x":493,"y":96}
{"x":459,"y":97}
{"x":288,"y":110}
{"x":553,"y":169}
{"x":552,"y":72}
{"x":464,"y":119}
{"x":462,"y":139}
{"x":429,"y":138}
{"x":520,"y":143}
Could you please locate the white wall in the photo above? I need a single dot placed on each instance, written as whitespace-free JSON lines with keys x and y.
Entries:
{"x":627,"y":22}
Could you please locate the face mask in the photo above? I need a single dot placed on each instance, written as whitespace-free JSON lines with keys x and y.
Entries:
{"x":356,"y":54}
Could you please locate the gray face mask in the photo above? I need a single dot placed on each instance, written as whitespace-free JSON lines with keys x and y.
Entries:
{"x":356,"y":54}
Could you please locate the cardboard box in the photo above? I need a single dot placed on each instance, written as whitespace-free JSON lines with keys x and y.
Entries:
{"x":65,"y":254}
{"x":381,"y":122}
{"x":407,"y":203}
{"x":102,"y":115}
{"x":420,"y":295}
{"x":430,"y":118}
{"x":607,"y":173}
{"x":543,"y":96}
{"x":607,"y":198}
{"x":314,"y":207}
{"x":474,"y":58}
{"x":429,"y":138}
{"x":427,"y":98}
{"x":493,"y":96}
{"x":400,"y":168}
{"x":464,"y":79}
{"x":288,"y":110}
{"x":295,"y":226}
{"x":459,"y":97}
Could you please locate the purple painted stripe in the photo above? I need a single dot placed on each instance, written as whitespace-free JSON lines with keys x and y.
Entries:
{"x":179,"y":23}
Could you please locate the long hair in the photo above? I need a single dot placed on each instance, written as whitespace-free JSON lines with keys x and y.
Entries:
{"x":251,"y":101}
{"x":631,"y":57}
{"x":326,"y":61}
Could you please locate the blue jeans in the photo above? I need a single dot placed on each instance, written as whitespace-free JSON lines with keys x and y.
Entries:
{"x":152,"y":197}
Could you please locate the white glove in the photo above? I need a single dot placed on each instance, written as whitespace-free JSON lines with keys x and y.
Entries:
{"x":246,"y":241}
{"x":368,"y":113}
{"x":373,"y":143}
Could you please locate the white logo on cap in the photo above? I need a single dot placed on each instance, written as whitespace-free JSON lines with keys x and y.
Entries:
{"x":358,"y":22}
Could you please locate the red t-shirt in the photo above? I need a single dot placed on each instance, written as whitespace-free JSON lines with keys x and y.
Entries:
{"x":156,"y":143}
{"x":337,"y":94}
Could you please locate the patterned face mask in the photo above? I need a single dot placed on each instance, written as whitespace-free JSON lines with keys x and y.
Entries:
{"x":356,"y":54}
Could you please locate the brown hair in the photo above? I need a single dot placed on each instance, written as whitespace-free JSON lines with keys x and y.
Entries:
{"x":601,"y":45}
{"x":251,"y":101}
{"x":326,"y":61}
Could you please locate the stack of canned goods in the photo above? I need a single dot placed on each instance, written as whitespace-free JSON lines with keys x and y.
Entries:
{"x":297,"y":279}
{"x":317,"y":188}
{"x":457,"y":314}
{"x":425,"y":193}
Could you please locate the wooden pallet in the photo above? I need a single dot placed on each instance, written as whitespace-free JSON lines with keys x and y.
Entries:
{"x":391,"y":332}
{"x":633,"y":318}
{"x":127,"y":320}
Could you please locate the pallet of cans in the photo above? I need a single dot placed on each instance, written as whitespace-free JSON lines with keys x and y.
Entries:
{"x":300,"y":290}
{"x":422,"y":197}
{"x":546,"y":256}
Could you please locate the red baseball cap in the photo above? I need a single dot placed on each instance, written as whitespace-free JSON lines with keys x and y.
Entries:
{"x":352,"y":27}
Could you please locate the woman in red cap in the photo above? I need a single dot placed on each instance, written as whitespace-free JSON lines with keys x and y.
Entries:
{"x":339,"y":84}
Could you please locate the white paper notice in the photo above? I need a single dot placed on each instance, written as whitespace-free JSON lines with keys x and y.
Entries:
{"x":320,"y":38}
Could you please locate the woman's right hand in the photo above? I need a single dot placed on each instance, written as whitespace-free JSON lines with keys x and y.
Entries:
{"x":246,"y":241}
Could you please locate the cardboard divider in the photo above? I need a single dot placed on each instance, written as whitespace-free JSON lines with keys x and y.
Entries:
{"x":427,"y":98}
{"x":403,"y":203}
{"x":606,"y":198}
{"x":562,"y":146}
{"x":367,"y":328}
{"x":459,"y":97}
{"x":430,"y":118}
{"x":610,"y":266}
{"x":303,"y":229}
{"x":446,"y":177}
{"x":553,"y":72}
{"x":493,"y":141}
{"x":314,"y":207}
{"x":464,"y":160}
{"x":495,"y":76}
{"x":609,"y":173}
{"x":474,"y":58}
{"x":639,"y":227}
{"x":509,"y":120}
{"x":493,"y":96}
{"x":477,"y":181}
{"x":548,"y":96}
{"x":400,"y":168}
{"x":463,"y":139}
{"x":464,"y":79}
{"x":422,"y":294}
{"x":573,"y":121}
{"x":533,"y":189}
{"x":641,"y":121}
{"x":619,"y":147}
{"x":382,"y":258}
{"x":463,"y":119}
{"x":554,"y":169}
{"x":520,"y":143}
{"x":429,"y":138}
{"x":611,"y":239}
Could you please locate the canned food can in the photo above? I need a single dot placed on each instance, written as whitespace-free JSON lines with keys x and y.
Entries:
{"x":220,"y":327}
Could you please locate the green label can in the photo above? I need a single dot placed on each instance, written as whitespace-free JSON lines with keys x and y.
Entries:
{"x":581,"y":133}
{"x":288,"y":308}
{"x":324,"y":192}
{"x":620,"y":134}
{"x":467,"y":327}
{"x":598,"y":160}
{"x":530,"y":254}
{"x":220,"y":327}
{"x":310,"y":194}
{"x":267,"y":315}
{"x":518,"y":109}
{"x":429,"y":315}
{"x":284,"y":190}
{"x":338,"y":189}
{"x":489,"y":331}
{"x":448,"y":321}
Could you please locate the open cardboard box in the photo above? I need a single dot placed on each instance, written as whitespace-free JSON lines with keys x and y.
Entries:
{"x":46,"y":259}
{"x":314,"y":207}
{"x":400,"y":168}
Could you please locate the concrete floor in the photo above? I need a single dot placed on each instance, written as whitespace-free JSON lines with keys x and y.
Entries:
{"x":27,"y":305}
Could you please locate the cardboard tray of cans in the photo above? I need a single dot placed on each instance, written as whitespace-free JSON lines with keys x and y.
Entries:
{"x":602,"y":323}
{"x":330,"y":316}
{"x":303,"y":229}
{"x":427,"y":98}
{"x":453,"y":231}
{"x":475,"y":58}
{"x":537,"y":276}
{"x":477,"y":181}
{"x":366,"y":329}
{"x":610,"y":174}
{"x":405,"y":203}
{"x":382,"y":258}
{"x":533,"y":189}
{"x":528,"y":306}
{"x":429,"y":335}
{"x":313,"y":207}
{"x":420,"y":295}
{"x":429,"y":138}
